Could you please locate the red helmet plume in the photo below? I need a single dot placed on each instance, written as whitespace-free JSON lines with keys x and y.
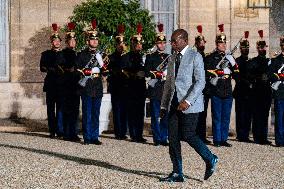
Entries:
{"x":199,"y":29}
{"x":94,"y":24}
{"x":260,"y":33}
{"x":160,"y":27}
{"x":246,"y":34}
{"x":120,"y":28}
{"x":71,"y":26}
{"x":55,"y":27}
{"x":139,"y":28}
{"x":221,"y":28}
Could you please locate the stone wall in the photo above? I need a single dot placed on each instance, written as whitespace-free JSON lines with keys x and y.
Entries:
{"x":30,"y":22}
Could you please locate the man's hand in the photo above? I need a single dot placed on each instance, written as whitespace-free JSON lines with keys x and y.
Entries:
{"x":163,"y":113}
{"x":183,"y":105}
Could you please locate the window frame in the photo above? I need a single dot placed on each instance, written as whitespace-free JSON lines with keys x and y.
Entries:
{"x":6,"y":77}
{"x":148,"y":5}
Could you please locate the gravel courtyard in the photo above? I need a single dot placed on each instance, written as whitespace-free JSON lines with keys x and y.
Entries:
{"x":32,"y":160}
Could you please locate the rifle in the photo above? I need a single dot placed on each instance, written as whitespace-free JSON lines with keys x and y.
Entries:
{"x":92,"y":68}
{"x":222,"y":64}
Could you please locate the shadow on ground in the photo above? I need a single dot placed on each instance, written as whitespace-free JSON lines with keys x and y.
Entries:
{"x":87,"y":161}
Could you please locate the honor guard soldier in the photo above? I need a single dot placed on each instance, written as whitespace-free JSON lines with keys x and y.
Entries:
{"x":261,"y":92}
{"x":276,"y":70}
{"x":136,"y":87}
{"x":90,"y":61}
{"x":221,"y":67}
{"x":51,"y":62}
{"x":118,"y":86}
{"x":242,"y":93}
{"x":155,"y":66}
{"x":70,"y":96}
{"x":199,"y":45}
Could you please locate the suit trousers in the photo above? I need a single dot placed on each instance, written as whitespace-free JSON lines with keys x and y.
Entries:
{"x":182,"y":127}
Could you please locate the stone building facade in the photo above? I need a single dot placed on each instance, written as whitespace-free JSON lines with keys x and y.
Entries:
{"x":27,"y":32}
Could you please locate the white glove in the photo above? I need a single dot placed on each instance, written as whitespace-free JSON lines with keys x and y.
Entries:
{"x":100,"y":59}
{"x":152,"y":82}
{"x":227,"y":71}
{"x":96,"y":70}
{"x":231,"y":59}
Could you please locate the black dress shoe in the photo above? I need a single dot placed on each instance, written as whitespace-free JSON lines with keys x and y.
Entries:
{"x":210,"y":167}
{"x":141,"y":140}
{"x":267,"y":142}
{"x":123,"y":137}
{"x":206,"y":141}
{"x":97,"y":142}
{"x":165,"y":143}
{"x":263,"y":142}
{"x":173,"y":177}
{"x":76,"y":139}
{"x":245,"y":140}
{"x":226,"y":144}
{"x":52,"y":136}
{"x":156,"y":143}
{"x":217,"y":144}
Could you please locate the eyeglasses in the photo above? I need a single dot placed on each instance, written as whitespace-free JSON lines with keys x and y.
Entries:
{"x":174,"y":40}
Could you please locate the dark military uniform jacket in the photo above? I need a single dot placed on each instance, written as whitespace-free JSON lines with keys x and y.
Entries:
{"x":132,"y":68}
{"x":116,"y":79}
{"x":223,"y":89}
{"x":258,"y":69}
{"x":243,"y":88}
{"x":206,"y":90}
{"x":69,"y":82}
{"x":152,"y":62}
{"x":276,"y":64}
{"x":94,"y":86}
{"x":51,"y":62}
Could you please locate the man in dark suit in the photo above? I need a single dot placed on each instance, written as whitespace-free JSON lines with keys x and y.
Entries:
{"x":183,"y":99}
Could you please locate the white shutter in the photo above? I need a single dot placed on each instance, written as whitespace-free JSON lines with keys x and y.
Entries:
{"x":4,"y":41}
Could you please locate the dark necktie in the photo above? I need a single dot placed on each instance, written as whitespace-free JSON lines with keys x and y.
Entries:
{"x":177,"y":63}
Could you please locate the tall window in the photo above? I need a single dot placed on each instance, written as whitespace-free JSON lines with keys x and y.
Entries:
{"x":164,"y":11}
{"x":4,"y":41}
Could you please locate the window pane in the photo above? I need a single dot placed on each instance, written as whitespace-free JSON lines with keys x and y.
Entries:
{"x":163,"y":5}
{"x":3,"y":38}
{"x":2,"y":60}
